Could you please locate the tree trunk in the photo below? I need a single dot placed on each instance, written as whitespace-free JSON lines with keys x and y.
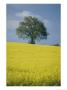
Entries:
{"x":32,"y":40}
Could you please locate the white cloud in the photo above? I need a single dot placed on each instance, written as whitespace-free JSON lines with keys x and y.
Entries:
{"x":12,"y":24}
{"x":26,"y":13}
{"x":23,"y":14}
{"x":46,"y":22}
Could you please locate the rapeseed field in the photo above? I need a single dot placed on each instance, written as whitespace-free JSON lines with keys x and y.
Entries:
{"x":32,"y":65}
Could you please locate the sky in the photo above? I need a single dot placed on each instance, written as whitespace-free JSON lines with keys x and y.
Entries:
{"x":49,"y":14}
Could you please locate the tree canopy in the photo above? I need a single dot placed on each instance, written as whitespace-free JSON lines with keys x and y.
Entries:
{"x":31,"y":28}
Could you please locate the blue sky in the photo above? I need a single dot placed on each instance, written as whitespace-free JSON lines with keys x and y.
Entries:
{"x":49,"y":14}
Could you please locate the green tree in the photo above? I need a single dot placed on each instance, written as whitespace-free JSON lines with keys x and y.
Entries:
{"x":31,"y":28}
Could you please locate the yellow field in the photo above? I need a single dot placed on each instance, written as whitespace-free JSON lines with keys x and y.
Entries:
{"x":29,"y":64}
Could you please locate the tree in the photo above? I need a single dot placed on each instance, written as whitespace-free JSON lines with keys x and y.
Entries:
{"x":31,"y":28}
